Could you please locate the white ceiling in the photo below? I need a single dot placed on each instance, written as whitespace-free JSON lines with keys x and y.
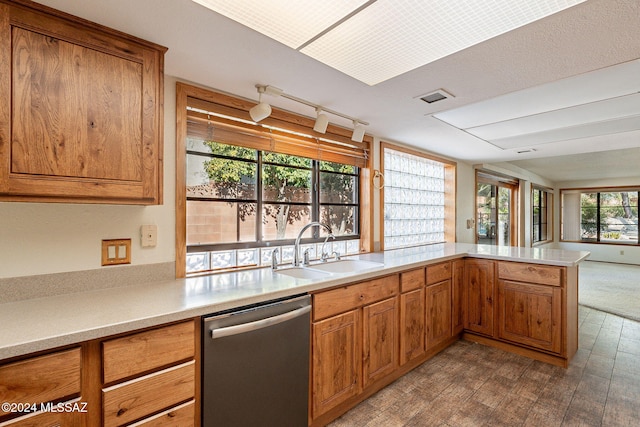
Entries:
{"x":596,"y":35}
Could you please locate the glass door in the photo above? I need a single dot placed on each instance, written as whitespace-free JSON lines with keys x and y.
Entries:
{"x":495,"y":211}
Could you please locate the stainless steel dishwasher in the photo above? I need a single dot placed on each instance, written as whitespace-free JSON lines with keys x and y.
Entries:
{"x":256,"y":365}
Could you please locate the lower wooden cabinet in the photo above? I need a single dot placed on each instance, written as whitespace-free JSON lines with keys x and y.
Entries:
{"x":146,"y":378}
{"x":412,"y":315}
{"x":149,"y":372}
{"x":356,"y":344}
{"x":534,"y":312}
{"x":458,"y":291}
{"x":380,"y":340}
{"x":438,"y":313}
{"x":479,"y":277}
{"x":42,"y":382}
{"x":530,"y":314}
{"x":337,"y":361}
{"x":412,"y":325}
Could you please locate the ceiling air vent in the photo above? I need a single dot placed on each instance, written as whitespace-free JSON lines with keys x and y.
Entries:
{"x":436,"y":96}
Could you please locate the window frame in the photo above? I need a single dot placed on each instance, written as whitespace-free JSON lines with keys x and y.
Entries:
{"x":315,"y":205}
{"x":232,"y":106}
{"x":450,"y":191}
{"x":549,"y":215}
{"x":597,"y":191}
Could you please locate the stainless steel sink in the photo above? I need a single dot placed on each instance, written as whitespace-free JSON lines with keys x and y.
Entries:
{"x":346,"y":266}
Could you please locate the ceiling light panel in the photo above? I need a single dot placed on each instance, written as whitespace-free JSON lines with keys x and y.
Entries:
{"x":587,"y":130}
{"x":292,"y":23}
{"x":391,"y":37}
{"x":606,"y":83}
{"x":608,"y":109}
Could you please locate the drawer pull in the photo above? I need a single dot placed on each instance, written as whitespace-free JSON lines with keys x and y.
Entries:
{"x":121,"y":412}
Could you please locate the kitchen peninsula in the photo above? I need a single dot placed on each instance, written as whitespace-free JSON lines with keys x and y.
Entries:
{"x":518,"y":299}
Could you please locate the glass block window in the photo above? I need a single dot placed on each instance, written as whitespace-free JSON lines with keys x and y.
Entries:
{"x":415,"y":199}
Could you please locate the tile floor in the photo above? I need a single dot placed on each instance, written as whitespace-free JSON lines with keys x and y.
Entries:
{"x":473,"y":385}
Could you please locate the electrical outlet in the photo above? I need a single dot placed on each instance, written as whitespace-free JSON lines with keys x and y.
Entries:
{"x":116,"y":251}
{"x":148,"y":236}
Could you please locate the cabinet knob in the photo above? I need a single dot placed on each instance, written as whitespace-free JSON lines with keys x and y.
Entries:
{"x":121,"y":411}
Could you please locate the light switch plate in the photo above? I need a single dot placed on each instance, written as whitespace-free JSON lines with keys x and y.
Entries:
{"x":116,"y":251}
{"x":148,"y":236}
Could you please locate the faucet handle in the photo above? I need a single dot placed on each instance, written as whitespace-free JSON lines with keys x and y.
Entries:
{"x":274,"y":259}
{"x":305,"y":257}
{"x":336,"y":255}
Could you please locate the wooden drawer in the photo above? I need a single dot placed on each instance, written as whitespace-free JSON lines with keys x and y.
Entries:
{"x":180,"y":416}
{"x":530,"y":273}
{"x":133,"y":400}
{"x":410,"y":280}
{"x":339,"y":300}
{"x":439,"y":272}
{"x":142,"y":352}
{"x":46,"y":419}
{"x":41,"y":379}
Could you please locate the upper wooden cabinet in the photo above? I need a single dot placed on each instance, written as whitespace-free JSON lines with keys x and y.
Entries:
{"x":81,"y":110}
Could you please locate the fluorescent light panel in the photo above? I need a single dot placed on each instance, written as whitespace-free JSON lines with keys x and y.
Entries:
{"x":600,"y":111}
{"x":388,"y":37}
{"x":599,"y":103}
{"x":292,"y":22}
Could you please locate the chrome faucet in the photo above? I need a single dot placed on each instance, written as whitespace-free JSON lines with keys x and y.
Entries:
{"x":296,"y":247}
{"x":325,"y":255}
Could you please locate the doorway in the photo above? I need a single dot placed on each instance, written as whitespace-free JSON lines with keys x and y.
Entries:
{"x":496,"y":210}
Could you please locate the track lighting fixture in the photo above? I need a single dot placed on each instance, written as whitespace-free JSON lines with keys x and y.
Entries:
{"x":262,"y":110}
{"x":358,"y":131}
{"x":322,"y":121}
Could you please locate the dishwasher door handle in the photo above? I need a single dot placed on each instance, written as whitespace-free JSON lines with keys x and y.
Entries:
{"x":258,"y":324}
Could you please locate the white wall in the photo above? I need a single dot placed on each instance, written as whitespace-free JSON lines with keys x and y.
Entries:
{"x":624,"y":254}
{"x":465,"y":202}
{"x":41,"y":238}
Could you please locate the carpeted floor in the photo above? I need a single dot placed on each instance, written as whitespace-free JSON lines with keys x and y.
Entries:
{"x":612,"y":288}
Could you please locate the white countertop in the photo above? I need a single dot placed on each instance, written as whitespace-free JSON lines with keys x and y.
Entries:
{"x":43,"y":323}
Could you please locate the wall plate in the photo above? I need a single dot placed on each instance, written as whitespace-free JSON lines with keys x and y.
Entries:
{"x":116,"y":251}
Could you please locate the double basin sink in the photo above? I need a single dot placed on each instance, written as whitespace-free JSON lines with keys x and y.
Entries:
{"x":326,"y":269}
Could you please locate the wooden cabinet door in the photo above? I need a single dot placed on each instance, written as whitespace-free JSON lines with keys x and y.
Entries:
{"x":337,"y":360}
{"x":457,"y":297}
{"x":380,"y":339}
{"x":530,"y":314}
{"x":438,"y":313}
{"x":479,"y":278}
{"x":412,"y":325}
{"x":81,"y":114}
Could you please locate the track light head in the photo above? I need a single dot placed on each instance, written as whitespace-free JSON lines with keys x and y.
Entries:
{"x":262,"y":110}
{"x":322,"y":121}
{"x":358,"y":132}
